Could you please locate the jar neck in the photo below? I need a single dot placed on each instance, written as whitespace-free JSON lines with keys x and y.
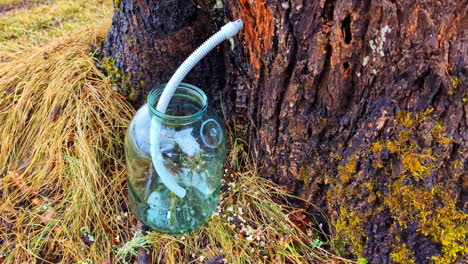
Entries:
{"x":188,"y":104}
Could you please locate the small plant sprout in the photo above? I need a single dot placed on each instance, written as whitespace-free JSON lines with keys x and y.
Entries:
{"x":130,"y":249}
{"x":85,"y":232}
{"x":362,"y":261}
{"x":317,"y":243}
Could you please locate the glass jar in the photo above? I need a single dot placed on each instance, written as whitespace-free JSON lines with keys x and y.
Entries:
{"x":192,"y":144}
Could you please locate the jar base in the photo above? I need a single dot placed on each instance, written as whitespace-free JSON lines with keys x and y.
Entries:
{"x":166,"y":213}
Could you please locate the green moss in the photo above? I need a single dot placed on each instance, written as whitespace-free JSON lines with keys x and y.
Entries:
{"x":127,"y":89}
{"x":335,"y":156}
{"x":446,"y":225}
{"x":108,"y":67}
{"x":117,"y":5}
{"x":349,"y":223}
{"x":455,"y":83}
{"x":407,"y":197}
{"x":304,"y":174}
{"x":124,"y":86}
{"x":438,"y":132}
{"x":349,"y":227}
{"x":435,"y":211}
{"x":438,"y":129}
{"x":345,"y":171}
{"x":415,"y":160}
{"x":377,"y":164}
{"x":405,"y":200}
{"x":405,"y":118}
{"x":376,"y":147}
{"x":362,"y":261}
{"x":402,"y":255}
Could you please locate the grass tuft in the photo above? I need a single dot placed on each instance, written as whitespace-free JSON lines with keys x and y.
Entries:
{"x":61,"y":166}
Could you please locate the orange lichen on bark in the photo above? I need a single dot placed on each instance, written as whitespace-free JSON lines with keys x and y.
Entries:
{"x":258,"y":28}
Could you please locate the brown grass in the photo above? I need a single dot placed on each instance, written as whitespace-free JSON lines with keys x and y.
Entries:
{"x":60,"y":157}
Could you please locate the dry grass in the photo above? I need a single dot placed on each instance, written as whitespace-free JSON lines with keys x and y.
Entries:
{"x":60,"y":157}
{"x":62,"y":173}
{"x":16,"y":2}
{"x":250,"y":227}
{"x":28,"y":28}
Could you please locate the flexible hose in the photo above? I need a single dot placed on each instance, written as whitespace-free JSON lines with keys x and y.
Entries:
{"x":227,"y":31}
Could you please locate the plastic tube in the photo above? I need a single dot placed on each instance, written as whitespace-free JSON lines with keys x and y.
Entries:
{"x":227,"y":31}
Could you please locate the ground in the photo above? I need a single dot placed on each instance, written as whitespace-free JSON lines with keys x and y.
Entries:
{"x":62,"y":172}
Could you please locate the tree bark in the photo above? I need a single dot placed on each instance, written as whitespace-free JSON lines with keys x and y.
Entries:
{"x":359,"y":107}
{"x":148,"y":40}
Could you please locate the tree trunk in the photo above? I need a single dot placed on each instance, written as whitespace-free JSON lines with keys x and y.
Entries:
{"x":360,"y":107}
{"x":148,"y":40}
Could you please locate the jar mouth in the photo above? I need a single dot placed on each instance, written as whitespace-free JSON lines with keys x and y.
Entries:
{"x":189,"y":103}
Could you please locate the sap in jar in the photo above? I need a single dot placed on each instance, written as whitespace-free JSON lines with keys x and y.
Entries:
{"x":192,"y":148}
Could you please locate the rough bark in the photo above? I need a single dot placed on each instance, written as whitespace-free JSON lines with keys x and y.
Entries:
{"x":337,"y":97}
{"x":148,"y":40}
{"x":328,"y":88}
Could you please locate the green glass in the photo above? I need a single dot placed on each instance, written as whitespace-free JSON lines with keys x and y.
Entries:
{"x":193,"y":146}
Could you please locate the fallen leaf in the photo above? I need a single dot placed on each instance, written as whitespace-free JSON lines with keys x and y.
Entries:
{"x":84,"y":94}
{"x":57,"y":230}
{"x":56,"y":113}
{"x":17,"y":179}
{"x":48,"y":217}
{"x":303,"y":222}
{"x":230,"y":170}
{"x":106,"y":227}
{"x":36,"y":201}
{"x":70,"y":140}
{"x":105,"y":261}
{"x":86,"y":240}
